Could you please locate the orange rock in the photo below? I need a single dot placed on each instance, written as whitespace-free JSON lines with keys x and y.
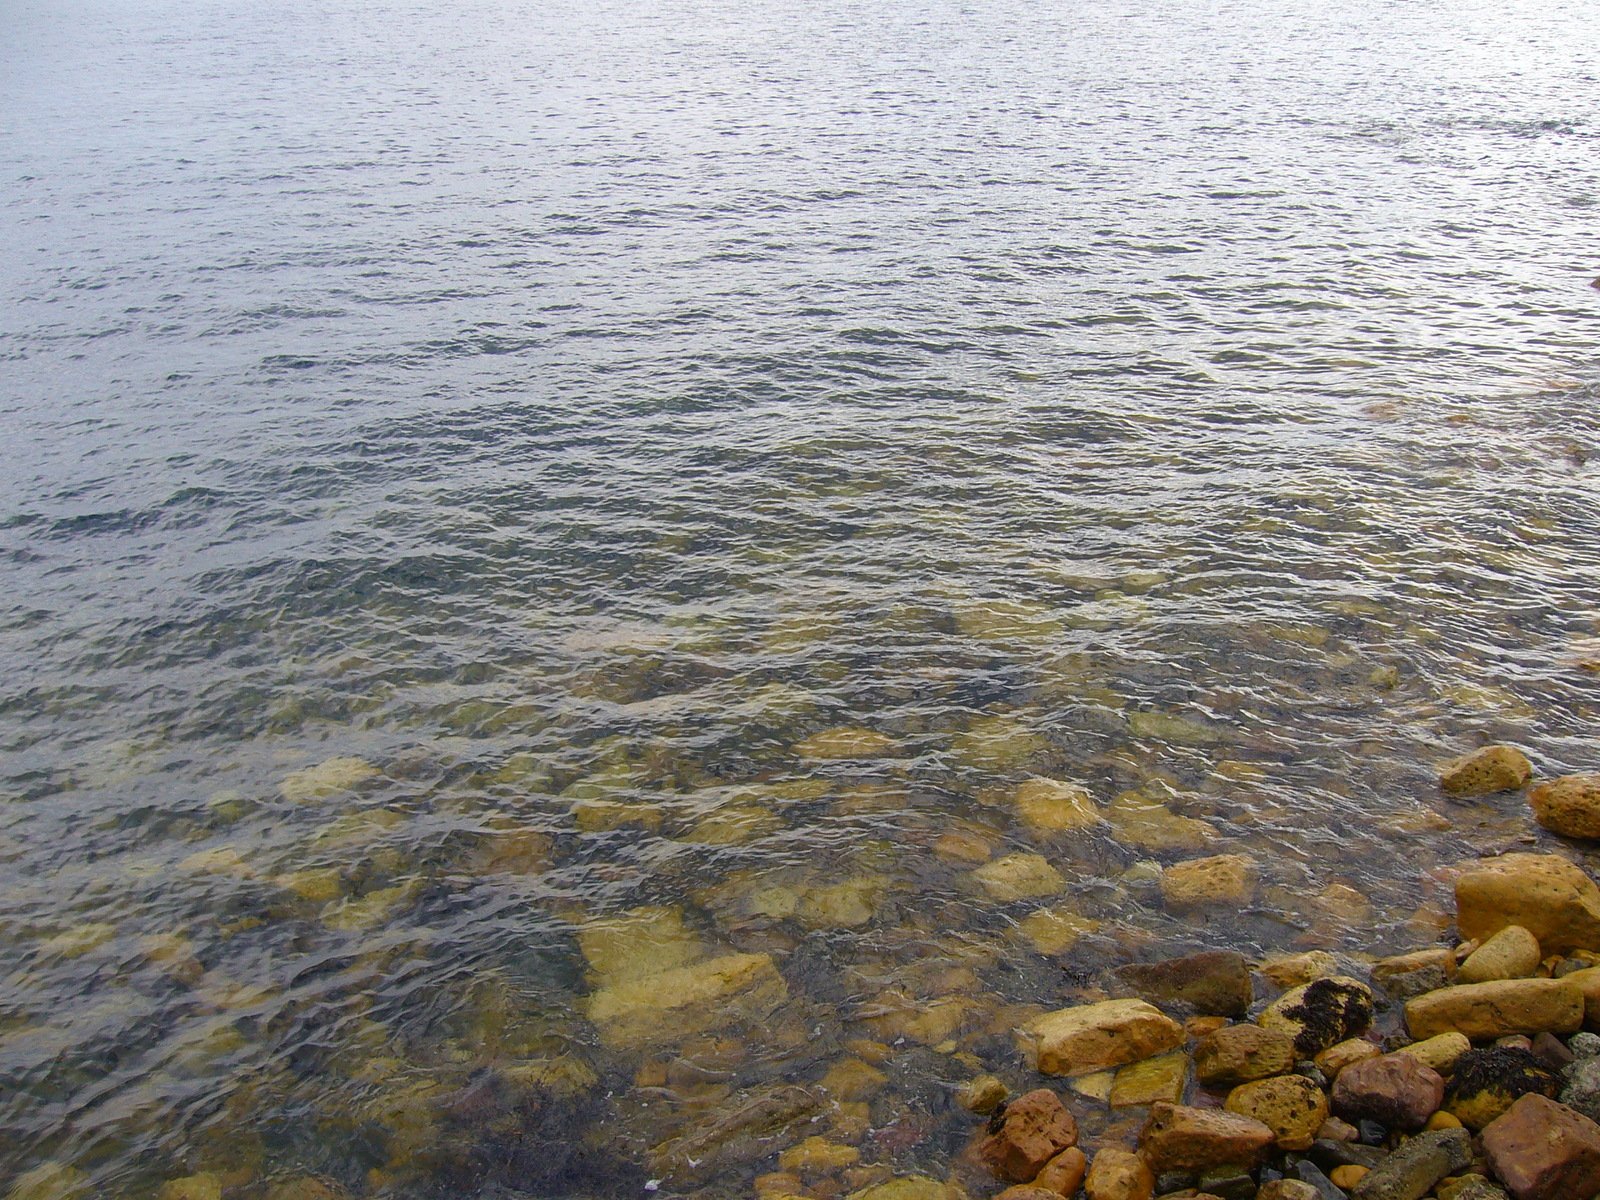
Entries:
{"x":1028,"y":1133}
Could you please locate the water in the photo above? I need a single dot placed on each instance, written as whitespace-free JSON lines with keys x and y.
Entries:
{"x":555,"y":415}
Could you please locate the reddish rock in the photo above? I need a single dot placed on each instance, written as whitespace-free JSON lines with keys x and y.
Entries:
{"x":1026,"y":1134}
{"x":1180,"y":1138}
{"x":1542,"y":1150}
{"x":1064,"y":1173}
{"x":1393,"y":1089}
{"x":1119,"y":1174}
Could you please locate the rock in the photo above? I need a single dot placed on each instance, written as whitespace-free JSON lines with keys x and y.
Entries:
{"x":1487,"y":1082}
{"x":1439,"y":1052}
{"x":1180,"y":1138}
{"x":1137,"y":820}
{"x":1470,"y":1187}
{"x":741,"y":1129}
{"x":911,"y":1187}
{"x":1212,"y":981}
{"x":1240,"y":1053}
{"x":1093,"y":1037}
{"x":1055,"y":930}
{"x":1480,"y":772}
{"x":1292,"y":1106}
{"x":1118,"y":1174}
{"x":850,"y":1079}
{"x":1320,"y":1014}
{"x":1346,"y":1053}
{"x":1552,"y":1055}
{"x":818,"y":1154}
{"x":982,"y":1095}
{"x":1544,"y":893}
{"x":1582,"y":1090}
{"x":1569,"y":806}
{"x":1027,"y":1133}
{"x":1019,"y":877}
{"x":1222,"y":881}
{"x":1489,"y":1010}
{"x":1393,"y":1089}
{"x":1542,"y":1150}
{"x":1027,"y":1191}
{"x":1295,"y":970}
{"x":327,"y":778}
{"x":1288,"y":1189}
{"x":1348,"y":1176}
{"x":206,"y":1185}
{"x":1416,"y":1166}
{"x":683,"y":1001}
{"x":1150,"y":1080}
{"x":1511,"y":953}
{"x":1408,"y":975}
{"x":1064,"y":1173}
{"x":1584,"y":1045}
{"x":1308,"y":1172}
{"x":1048,"y":806}
{"x":847,"y":742}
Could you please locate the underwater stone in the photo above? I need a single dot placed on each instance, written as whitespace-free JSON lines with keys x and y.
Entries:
{"x":1048,"y":806}
{"x":1481,"y":772}
{"x":327,"y":778}
{"x":847,"y":741}
{"x":1056,"y":930}
{"x":1224,"y":880}
{"x":687,"y":1000}
{"x":1019,"y":877}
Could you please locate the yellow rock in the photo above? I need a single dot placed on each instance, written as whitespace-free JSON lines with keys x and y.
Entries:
{"x":998,"y":743}
{"x":1569,"y":806}
{"x":1346,"y":1053}
{"x":912,"y":1187}
{"x":996,"y":620}
{"x":982,"y":1095}
{"x":1225,"y":880}
{"x":1138,"y":820}
{"x":1512,"y":953}
{"x":50,"y":1181}
{"x":1019,"y":877}
{"x":683,"y":1001}
{"x":1439,"y":1052}
{"x":1150,"y":1080}
{"x":1544,"y":893}
{"x":733,"y":825}
{"x":851,"y":1079}
{"x":318,"y":884}
{"x":1496,"y":1009}
{"x":204,"y":1186}
{"x":373,"y":909}
{"x":1096,"y":1085}
{"x":847,"y":741}
{"x":1048,"y":806}
{"x":174,"y":954}
{"x":1172,"y":727}
{"x":1296,"y":970}
{"x":1442,"y":1120}
{"x":1292,"y":1106}
{"x":78,"y":941}
{"x":594,"y":815}
{"x":818,"y":1154}
{"x":639,"y":941}
{"x":357,"y":828}
{"x":1093,"y":1037}
{"x":327,"y":778}
{"x":223,"y":860}
{"x":847,"y":905}
{"x":1053,"y":931}
{"x":1490,"y":769}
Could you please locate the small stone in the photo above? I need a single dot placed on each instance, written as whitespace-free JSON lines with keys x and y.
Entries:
{"x":1346,"y":1053}
{"x":1292,"y":1106}
{"x":1320,"y":1014}
{"x":982,"y":1095}
{"x":1511,"y":953}
{"x":1569,"y":806}
{"x":1542,"y":1150}
{"x":1348,"y":1175}
{"x":1408,"y":975}
{"x":818,"y":1154}
{"x":206,"y":1185}
{"x":1416,"y":1166}
{"x":1178,"y":1137}
{"x":1212,"y":981}
{"x":1026,"y":1134}
{"x":1470,"y":1187}
{"x":1049,"y":806}
{"x":1118,"y":1174}
{"x":1308,"y":1172}
{"x":851,"y":1079}
{"x":1028,"y":1191}
{"x":1582,"y":1090}
{"x":1064,"y":1173}
{"x":1584,"y":1045}
{"x":1552,"y":1055}
{"x":1223,"y":880}
{"x":1490,"y":769}
{"x":1486,"y":1083}
{"x":1238,"y":1054}
{"x":1490,"y":1010}
{"x":1440,"y":1051}
{"x":1443,"y":1120}
{"x":1150,"y":1080}
{"x":847,"y":742}
{"x":1288,"y":1189}
{"x":1019,"y":877}
{"x":1335,"y":1130}
{"x":1544,"y":893}
{"x":1296,"y":970}
{"x":1394,"y":1089}
{"x":1092,"y":1037}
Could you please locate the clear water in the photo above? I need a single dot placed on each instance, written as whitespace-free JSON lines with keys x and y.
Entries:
{"x":556,"y":414}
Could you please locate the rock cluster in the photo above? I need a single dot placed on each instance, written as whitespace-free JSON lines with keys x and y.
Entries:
{"x":1458,"y":1072}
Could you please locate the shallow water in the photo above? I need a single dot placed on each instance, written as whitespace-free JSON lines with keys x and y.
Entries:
{"x":554,"y":416}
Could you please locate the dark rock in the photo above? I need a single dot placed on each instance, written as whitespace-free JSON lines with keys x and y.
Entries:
{"x":1328,"y":1012}
{"x":1373,"y":1133}
{"x":1552,"y":1055}
{"x":1416,"y":1166}
{"x":1582,"y":1090}
{"x":1228,"y":1185}
{"x":1393,"y":1089}
{"x":1330,"y":1154}
{"x":1326,"y":1188}
{"x":1213,"y":982}
{"x":1542,"y":1150}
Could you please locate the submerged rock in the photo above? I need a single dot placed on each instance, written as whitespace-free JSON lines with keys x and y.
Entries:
{"x":681,"y":1001}
{"x":1150,"y":1080}
{"x":327,"y":778}
{"x":1020,"y":877}
{"x":1487,"y":770}
{"x":847,"y":741}
{"x":1048,"y":806}
{"x":1222,"y":881}
{"x":1215,"y":982}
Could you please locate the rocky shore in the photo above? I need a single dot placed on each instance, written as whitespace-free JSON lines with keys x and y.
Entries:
{"x":1461,"y":1071}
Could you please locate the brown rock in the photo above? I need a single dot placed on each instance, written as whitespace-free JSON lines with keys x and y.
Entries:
{"x":1407,"y":975}
{"x":1588,"y":982}
{"x":1239,"y":1053}
{"x":1223,"y":880}
{"x":1288,"y":1189}
{"x":1394,"y":1090}
{"x":1292,"y":1106}
{"x":1212,"y":981}
{"x":1510,"y":953}
{"x":1118,"y":1174}
{"x":1542,"y":1150}
{"x":1490,"y":769}
{"x":1180,"y":1138}
{"x":1064,"y":1173}
{"x":1352,"y":1050}
{"x":982,"y":1095}
{"x":1413,"y":1168}
{"x":1544,"y":893}
{"x":1489,"y":1010}
{"x":1569,"y":805}
{"x":1026,"y":1134}
{"x":1028,"y":1191}
{"x":1093,"y":1037}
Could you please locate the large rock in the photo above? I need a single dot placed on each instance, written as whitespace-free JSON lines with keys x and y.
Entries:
{"x":1321,"y":1013}
{"x":1490,"y":769}
{"x":1416,"y":1166}
{"x":1180,"y":1138}
{"x":1221,"y":881}
{"x":1292,"y":1106}
{"x":1237,"y":1054}
{"x":683,"y":1001}
{"x":1027,"y":1133}
{"x":1215,"y":982}
{"x":1118,"y":1174}
{"x":1394,"y":1090}
{"x":1512,"y":953}
{"x":1544,"y":893}
{"x":1439,"y":1052}
{"x":1542,"y":1150}
{"x":1094,"y":1037}
{"x":1569,"y":805}
{"x":1588,"y":982}
{"x":1490,"y":1010}
{"x":1487,"y":1082}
